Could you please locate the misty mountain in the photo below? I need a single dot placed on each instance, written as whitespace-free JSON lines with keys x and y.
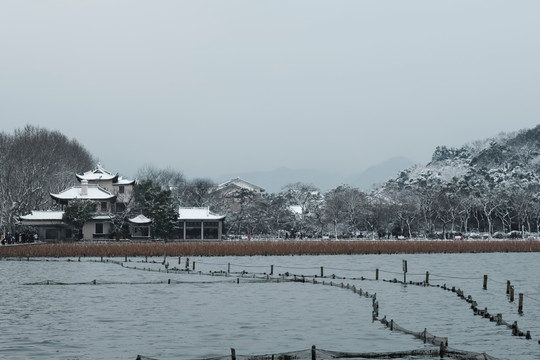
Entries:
{"x":508,"y":157}
{"x":378,"y":174}
{"x":273,"y":181}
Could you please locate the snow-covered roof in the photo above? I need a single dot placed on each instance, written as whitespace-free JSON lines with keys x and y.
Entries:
{"x":140,"y":219}
{"x":96,"y":174}
{"x":197,"y":213}
{"x":241,"y":184}
{"x":36,"y":215}
{"x":122,"y":181}
{"x":101,"y":217}
{"x":94,"y":192}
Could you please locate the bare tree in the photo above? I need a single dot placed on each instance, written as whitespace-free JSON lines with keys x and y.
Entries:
{"x":169,"y":179}
{"x":280,"y":217}
{"x":34,"y":163}
{"x":198,"y":193}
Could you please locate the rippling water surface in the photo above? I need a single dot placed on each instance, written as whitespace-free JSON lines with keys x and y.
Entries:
{"x":132,"y":311}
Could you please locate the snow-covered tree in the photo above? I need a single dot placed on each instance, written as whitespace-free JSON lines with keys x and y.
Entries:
{"x":77,"y":213}
{"x":157,"y":204}
{"x":336,"y":207}
{"x":35,"y":162}
{"x":307,"y":197}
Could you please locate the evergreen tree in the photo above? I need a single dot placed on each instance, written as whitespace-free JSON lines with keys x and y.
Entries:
{"x":77,"y":213}
{"x":157,"y":204}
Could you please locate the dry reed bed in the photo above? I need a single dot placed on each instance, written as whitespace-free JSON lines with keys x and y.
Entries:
{"x":249,"y":248}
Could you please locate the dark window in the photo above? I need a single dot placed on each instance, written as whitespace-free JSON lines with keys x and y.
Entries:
{"x":99,"y":228}
{"x":120,"y":207}
{"x":121,"y":189}
{"x":141,"y":231}
{"x":103,"y":206}
{"x":51,"y":234}
{"x":193,"y":229}
{"x":211,"y":229}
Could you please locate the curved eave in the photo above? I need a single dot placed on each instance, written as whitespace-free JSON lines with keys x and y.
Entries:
{"x":64,"y":200}
{"x":139,"y":222}
{"x":124,"y":182}
{"x":96,"y":177}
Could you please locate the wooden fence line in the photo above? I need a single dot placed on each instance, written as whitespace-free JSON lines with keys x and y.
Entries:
{"x":295,"y":277}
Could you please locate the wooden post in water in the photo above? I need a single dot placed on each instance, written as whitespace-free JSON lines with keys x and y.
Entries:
{"x":271,"y":269}
{"x":404,"y":271}
{"x":507,"y":287}
{"x":313,"y":352}
{"x":377,"y":274}
{"x":194,"y":266}
{"x":322,"y":271}
{"x":179,"y":260}
{"x":512,"y":293}
{"x":229,"y":268}
{"x":442,"y":350}
{"x":520,"y":306}
{"x":187,"y":263}
{"x":233,"y":354}
{"x":485,"y":282}
{"x":427,"y":277}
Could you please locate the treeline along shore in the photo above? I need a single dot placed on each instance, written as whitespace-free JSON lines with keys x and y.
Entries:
{"x":263,"y":248}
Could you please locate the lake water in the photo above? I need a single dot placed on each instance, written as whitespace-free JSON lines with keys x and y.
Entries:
{"x":134,"y":311}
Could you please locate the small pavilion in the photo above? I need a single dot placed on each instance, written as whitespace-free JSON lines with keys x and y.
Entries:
{"x":199,"y":223}
{"x":140,"y":227}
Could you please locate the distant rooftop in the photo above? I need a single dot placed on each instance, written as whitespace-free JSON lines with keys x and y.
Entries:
{"x":241,"y":184}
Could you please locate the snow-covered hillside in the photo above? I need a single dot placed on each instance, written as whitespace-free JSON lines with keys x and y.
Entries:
{"x":505,"y":160}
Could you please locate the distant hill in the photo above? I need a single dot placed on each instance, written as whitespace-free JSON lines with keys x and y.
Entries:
{"x":499,"y":159}
{"x":509,"y":159}
{"x":273,"y":181}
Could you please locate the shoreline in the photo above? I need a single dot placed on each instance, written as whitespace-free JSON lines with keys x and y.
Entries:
{"x":265,"y":248}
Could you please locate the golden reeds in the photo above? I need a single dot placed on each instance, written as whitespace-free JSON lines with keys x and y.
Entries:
{"x":250,"y":248}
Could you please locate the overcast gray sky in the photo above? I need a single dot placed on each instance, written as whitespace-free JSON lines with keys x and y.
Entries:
{"x":214,"y":87}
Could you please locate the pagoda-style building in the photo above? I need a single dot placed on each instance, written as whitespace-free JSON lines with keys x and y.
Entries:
{"x":113,"y":196}
{"x":111,"y":193}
